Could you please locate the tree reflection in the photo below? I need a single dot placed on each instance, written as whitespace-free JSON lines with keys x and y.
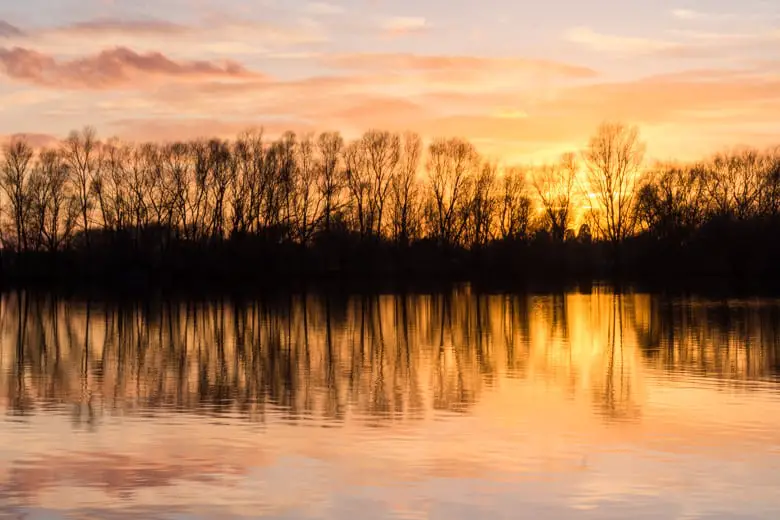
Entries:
{"x":377,"y":358}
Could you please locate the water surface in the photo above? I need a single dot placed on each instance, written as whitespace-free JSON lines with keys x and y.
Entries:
{"x":454,"y":405}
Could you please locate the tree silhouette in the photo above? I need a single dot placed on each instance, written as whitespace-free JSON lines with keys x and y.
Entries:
{"x":16,"y":182}
{"x":82,"y":154}
{"x":613,"y":158}
{"x":256,"y":207}
{"x":554,"y":186}
{"x":451,"y":168}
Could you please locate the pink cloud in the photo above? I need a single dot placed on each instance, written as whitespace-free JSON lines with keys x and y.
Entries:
{"x":512,"y":121}
{"x":117,"y":25}
{"x":434,"y":95}
{"x":222,"y":35}
{"x":118,"y":67}
{"x":9,"y":31}
{"x":401,"y":25}
{"x":454,"y":65}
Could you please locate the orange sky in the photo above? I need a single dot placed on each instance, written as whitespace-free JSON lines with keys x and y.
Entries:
{"x":523,"y":84}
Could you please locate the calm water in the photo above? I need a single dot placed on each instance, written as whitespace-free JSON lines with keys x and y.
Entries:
{"x":443,"y":406}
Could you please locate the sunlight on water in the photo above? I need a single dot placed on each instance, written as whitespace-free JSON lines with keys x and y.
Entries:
{"x":454,"y":405}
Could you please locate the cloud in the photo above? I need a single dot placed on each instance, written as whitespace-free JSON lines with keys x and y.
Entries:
{"x":401,"y":25}
{"x":510,"y":107}
{"x":9,"y":31}
{"x":113,"y":68}
{"x":691,"y":15}
{"x":393,"y":90}
{"x":687,"y":14}
{"x":112,"y":26}
{"x":660,"y":98}
{"x":727,"y":40}
{"x":416,"y":75}
{"x":619,"y":44}
{"x":685,"y":43}
{"x":697,"y":114}
{"x":495,"y":118}
{"x":311,"y":102}
{"x":514,"y":120}
{"x":213,"y":37}
{"x":363,"y":112}
{"x":420,"y":62}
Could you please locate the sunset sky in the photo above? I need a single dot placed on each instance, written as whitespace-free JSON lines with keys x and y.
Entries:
{"x":523,"y":81}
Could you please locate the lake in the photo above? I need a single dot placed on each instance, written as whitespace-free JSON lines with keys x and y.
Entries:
{"x":444,"y":405}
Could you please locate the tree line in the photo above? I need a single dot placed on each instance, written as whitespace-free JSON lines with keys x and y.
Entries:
{"x":383,"y":198}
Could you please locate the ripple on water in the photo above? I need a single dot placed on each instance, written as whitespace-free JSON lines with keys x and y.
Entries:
{"x":594,"y":405}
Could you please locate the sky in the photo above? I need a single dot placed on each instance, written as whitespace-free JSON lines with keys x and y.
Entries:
{"x":523,"y":81}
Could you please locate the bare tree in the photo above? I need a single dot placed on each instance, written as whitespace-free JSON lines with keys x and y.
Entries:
{"x":671,"y":202}
{"x":220,"y":165}
{"x":735,"y":182}
{"x":554,"y":184}
{"x":483,"y":205}
{"x":159,"y":191}
{"x":287,"y":173}
{"x":614,"y":158}
{"x":82,"y":153}
{"x":39,"y":195}
{"x":15,"y":180}
{"x":178,"y":165}
{"x":770,"y":191}
{"x":383,"y":152}
{"x":330,"y":145}
{"x":56,"y":206}
{"x":451,"y":168}
{"x":110,"y":185}
{"x":136,"y":179}
{"x":405,"y":191}
{"x":306,"y":200}
{"x":245,"y":186}
{"x":358,"y":182}
{"x":249,"y":152}
{"x":199,"y":201}
{"x":515,"y":205}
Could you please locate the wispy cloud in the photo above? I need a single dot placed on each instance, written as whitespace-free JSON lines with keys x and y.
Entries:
{"x":618,"y":44}
{"x":518,"y":121}
{"x":174,"y":83}
{"x":113,"y":68}
{"x":676,"y":43}
{"x":687,"y":14}
{"x":704,"y":105}
{"x":407,"y":61}
{"x":692,"y":15}
{"x":457,"y":72}
{"x":401,"y":25}
{"x":117,"y":25}
{"x":221,"y":36}
{"x":723,"y":39}
{"x":9,"y":31}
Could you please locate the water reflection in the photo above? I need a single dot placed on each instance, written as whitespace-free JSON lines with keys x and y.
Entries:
{"x":449,"y":405}
{"x":374,"y":358}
